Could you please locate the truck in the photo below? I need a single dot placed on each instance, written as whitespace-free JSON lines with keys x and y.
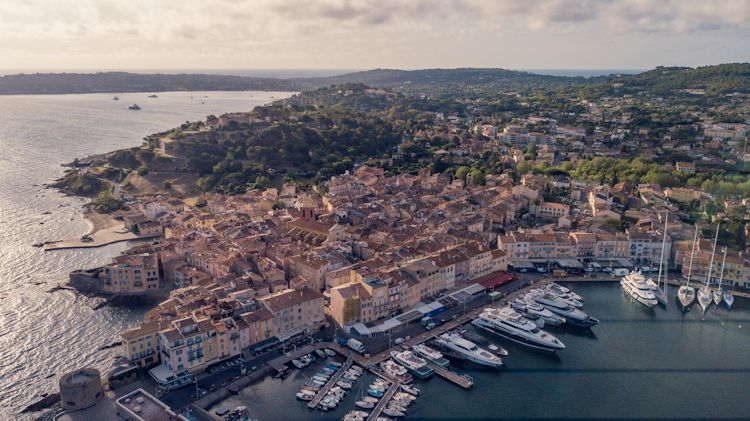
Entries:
{"x":356,"y":345}
{"x":557,"y":273}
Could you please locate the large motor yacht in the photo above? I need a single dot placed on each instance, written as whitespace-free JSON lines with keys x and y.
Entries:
{"x":511,"y":325}
{"x":572,"y":315}
{"x":430,"y":354}
{"x":635,"y":285}
{"x":456,"y":345}
{"x":416,"y":366}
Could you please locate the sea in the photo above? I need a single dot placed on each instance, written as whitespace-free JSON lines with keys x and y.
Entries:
{"x":44,"y":334}
{"x":638,"y":363}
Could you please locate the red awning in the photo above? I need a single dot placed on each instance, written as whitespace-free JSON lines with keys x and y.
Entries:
{"x":494,"y":280}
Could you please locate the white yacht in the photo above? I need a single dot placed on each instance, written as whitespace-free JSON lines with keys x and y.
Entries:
{"x":686,"y":293}
{"x":511,"y":325}
{"x":416,"y":365}
{"x":659,"y":294}
{"x":635,"y":285}
{"x":728,"y":299}
{"x":572,"y":315}
{"x":528,"y":306}
{"x":717,"y":291}
{"x":468,"y":350}
{"x":430,"y":354}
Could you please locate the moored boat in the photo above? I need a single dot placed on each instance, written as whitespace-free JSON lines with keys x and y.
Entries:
{"x":416,"y":365}
{"x":507,"y":323}
{"x":465,"y":349}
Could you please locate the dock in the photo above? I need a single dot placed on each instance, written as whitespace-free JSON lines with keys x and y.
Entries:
{"x":384,"y":401}
{"x":460,"y":379}
{"x":332,"y":382}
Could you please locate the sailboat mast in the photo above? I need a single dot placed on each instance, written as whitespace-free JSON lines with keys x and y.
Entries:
{"x":690,"y":269}
{"x":721,"y":275}
{"x":661,"y":259}
{"x":711,"y":265}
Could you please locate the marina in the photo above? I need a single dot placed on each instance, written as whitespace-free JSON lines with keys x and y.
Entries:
{"x":593,"y":358}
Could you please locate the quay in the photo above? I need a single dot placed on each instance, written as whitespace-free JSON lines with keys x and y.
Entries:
{"x":335,"y":378}
{"x":384,"y":401}
{"x":462,"y":380}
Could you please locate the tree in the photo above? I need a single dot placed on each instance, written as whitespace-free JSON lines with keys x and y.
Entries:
{"x":462,"y":172}
{"x":477,"y":177}
{"x":523,"y":167}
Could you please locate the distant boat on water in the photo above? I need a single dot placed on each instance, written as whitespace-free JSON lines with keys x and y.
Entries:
{"x":115,"y":98}
{"x":153,"y":96}
{"x":134,"y":107}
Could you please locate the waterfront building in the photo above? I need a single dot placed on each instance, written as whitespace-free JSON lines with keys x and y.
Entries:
{"x":295,"y":312}
{"x":141,"y":344}
{"x":132,"y":274}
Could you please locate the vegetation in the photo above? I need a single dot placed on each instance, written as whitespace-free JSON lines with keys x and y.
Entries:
{"x":82,"y":184}
{"x":107,"y":203}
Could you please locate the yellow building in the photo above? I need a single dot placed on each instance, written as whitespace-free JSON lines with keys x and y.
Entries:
{"x":132,"y":274}
{"x":141,"y":344}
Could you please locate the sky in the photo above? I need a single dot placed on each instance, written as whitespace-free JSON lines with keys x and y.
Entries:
{"x":364,"y":34}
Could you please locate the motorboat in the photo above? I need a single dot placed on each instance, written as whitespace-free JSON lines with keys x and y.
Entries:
{"x":563,"y":292}
{"x":511,"y":325}
{"x":635,"y":285}
{"x":416,"y":365}
{"x":393,"y":412}
{"x":365,"y":404}
{"x":305,"y":395}
{"x":320,"y":353}
{"x":468,"y":350}
{"x":572,"y":316}
{"x":430,"y":354}
{"x":298,"y":364}
{"x":330,"y":352}
{"x":395,"y":371}
{"x":412,"y":390}
{"x":378,"y":393}
{"x":532,"y":307}
{"x":115,"y":98}
{"x":344,"y":384}
{"x":134,"y":107}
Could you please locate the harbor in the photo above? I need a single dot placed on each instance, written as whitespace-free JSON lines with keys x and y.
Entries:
{"x":593,"y":359}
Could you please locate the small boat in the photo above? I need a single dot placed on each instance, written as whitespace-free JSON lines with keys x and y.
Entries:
{"x":717,"y":292}
{"x":134,"y":107}
{"x":365,"y":404}
{"x":153,"y":96}
{"x":320,"y":353}
{"x":233,"y":388}
{"x":412,"y":390}
{"x":370,"y":399}
{"x":305,"y":396}
{"x":330,"y":352}
{"x":311,"y":357}
{"x":378,"y":393}
{"x":298,"y":364}
{"x":327,"y":371}
{"x":344,"y":384}
{"x":221,"y":411}
{"x":115,"y":98}
{"x":704,"y":293}
{"x":393,"y":413}
{"x":686,"y":293}
{"x":336,"y":364}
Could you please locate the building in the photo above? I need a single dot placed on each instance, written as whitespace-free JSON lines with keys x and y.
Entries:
{"x":549,"y":210}
{"x":295,"y":312}
{"x":141,"y":344}
{"x":687,"y":167}
{"x":140,"y":405}
{"x":132,"y":274}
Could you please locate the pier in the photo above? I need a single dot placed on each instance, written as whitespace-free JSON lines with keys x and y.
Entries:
{"x":460,"y":379}
{"x":384,"y":401}
{"x":334,"y":379}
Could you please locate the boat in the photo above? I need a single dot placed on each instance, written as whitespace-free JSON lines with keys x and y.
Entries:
{"x":728,"y":299}
{"x":572,"y":316}
{"x":412,"y":390}
{"x":635,"y":285}
{"x":468,"y":350}
{"x":320,"y":353}
{"x":395,"y":371}
{"x":565,"y":294}
{"x":430,"y":354}
{"x":416,"y":365}
{"x":717,"y":291}
{"x":298,"y":364}
{"x":686,"y":293}
{"x":327,"y":371}
{"x":378,"y":393}
{"x":335,"y":364}
{"x":365,"y":404}
{"x":704,"y":293}
{"x":301,"y":395}
{"x":153,"y":96}
{"x":344,"y":384}
{"x":511,"y":325}
{"x":233,"y":388}
{"x":134,"y":107}
{"x":333,"y":367}
{"x":311,"y":356}
{"x":393,"y":412}
{"x":115,"y":98}
{"x":659,"y":294}
{"x":330,"y":352}
{"x":532,"y":307}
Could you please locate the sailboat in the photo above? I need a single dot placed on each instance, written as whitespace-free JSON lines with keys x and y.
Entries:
{"x":728,"y":299}
{"x":704,"y":293}
{"x":661,"y":296}
{"x":717,"y":291}
{"x":686,"y":293}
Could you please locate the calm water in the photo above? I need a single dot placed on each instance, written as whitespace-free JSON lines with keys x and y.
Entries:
{"x":636,"y":364}
{"x":45,"y":334}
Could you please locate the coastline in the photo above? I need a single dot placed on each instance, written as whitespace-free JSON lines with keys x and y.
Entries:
{"x":105,"y":230}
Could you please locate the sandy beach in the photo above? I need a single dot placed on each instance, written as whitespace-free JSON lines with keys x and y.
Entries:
{"x":105,"y":229}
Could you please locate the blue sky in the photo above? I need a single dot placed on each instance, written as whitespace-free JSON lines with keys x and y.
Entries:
{"x":329,"y":34}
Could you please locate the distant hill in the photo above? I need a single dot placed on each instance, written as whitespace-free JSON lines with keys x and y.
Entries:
{"x":723,"y":78}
